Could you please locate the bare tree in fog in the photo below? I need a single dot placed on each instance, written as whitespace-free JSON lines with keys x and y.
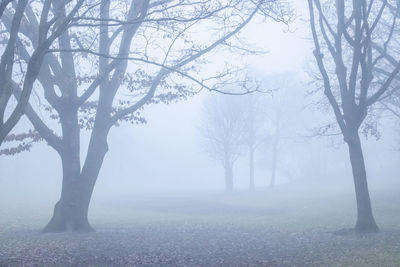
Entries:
{"x":255,"y":116}
{"x":279,"y":114}
{"x":14,"y":19}
{"x":276,"y":138}
{"x":223,"y":129}
{"x":119,"y":57}
{"x":232,"y":125}
{"x":348,"y":31}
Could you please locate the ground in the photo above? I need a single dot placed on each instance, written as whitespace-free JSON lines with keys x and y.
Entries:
{"x":267,"y":228}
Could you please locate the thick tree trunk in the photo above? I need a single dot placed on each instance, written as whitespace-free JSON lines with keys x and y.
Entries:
{"x":228,"y":178}
{"x":365,"y":219}
{"x":251,"y":168}
{"x":71,"y":211}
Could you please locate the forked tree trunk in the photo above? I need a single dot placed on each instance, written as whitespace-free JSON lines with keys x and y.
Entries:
{"x":71,"y":211}
{"x":365,"y":219}
{"x":228,"y":177}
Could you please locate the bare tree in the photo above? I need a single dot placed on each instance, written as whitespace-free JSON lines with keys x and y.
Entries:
{"x":350,"y":31}
{"x":276,"y":138}
{"x":49,"y":27}
{"x":255,"y":127}
{"x":223,"y":129}
{"x":118,"y":57}
{"x":279,"y":115}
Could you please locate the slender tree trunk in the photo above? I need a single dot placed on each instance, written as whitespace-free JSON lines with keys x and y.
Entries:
{"x":228,"y":177}
{"x":251,"y":142}
{"x":274,"y":158}
{"x":365,"y":219}
{"x":97,"y":151}
{"x":251,"y":168}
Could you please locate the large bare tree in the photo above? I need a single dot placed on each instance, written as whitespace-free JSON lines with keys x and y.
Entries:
{"x":352,"y":40}
{"x":113,"y":61}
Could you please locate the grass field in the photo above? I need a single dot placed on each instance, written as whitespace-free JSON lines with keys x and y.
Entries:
{"x":285,"y":227}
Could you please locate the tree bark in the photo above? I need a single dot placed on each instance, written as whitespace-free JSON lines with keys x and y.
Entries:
{"x":71,"y":211}
{"x":228,"y":177}
{"x":365,"y":219}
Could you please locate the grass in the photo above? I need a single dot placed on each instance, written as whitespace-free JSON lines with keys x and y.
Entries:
{"x":285,"y":209}
{"x":279,"y":228}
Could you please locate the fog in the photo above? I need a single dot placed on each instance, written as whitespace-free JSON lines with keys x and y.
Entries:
{"x":162,"y":199}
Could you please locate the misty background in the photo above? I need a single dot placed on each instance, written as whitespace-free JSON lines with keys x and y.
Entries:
{"x":160,"y":156}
